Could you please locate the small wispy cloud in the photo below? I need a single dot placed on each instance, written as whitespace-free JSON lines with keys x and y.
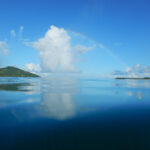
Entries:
{"x":101,"y":45}
{"x":6,"y":52}
{"x":3,"y":48}
{"x":21,"y":29}
{"x":83,"y":49}
{"x":78,"y":34}
{"x":18,"y":34}
{"x":13,"y":33}
{"x":117,"y":44}
{"x":21,"y":32}
{"x":35,"y":68}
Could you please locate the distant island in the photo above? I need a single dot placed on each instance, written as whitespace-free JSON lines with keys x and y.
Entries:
{"x":145,"y":78}
{"x":15,"y":72}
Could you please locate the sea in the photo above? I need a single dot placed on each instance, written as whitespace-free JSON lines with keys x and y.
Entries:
{"x":74,"y":113}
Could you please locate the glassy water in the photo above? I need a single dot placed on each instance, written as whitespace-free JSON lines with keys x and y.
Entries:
{"x":74,"y":114}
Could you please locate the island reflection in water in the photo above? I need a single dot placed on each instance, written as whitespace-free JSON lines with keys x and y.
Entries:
{"x":50,"y":97}
{"x":80,"y":108}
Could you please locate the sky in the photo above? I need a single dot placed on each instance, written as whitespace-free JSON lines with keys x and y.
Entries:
{"x":99,"y":37}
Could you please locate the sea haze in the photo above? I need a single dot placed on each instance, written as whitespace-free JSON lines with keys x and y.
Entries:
{"x":70,"y":113}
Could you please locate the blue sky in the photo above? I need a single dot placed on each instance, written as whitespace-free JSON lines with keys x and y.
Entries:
{"x":122,"y":28}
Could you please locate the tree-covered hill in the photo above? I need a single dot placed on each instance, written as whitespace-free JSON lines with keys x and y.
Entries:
{"x":15,"y":72}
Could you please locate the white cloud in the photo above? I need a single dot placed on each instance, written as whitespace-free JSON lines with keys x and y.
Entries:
{"x":55,"y":51}
{"x":83,"y":49}
{"x":117,"y":44}
{"x":137,"y":67}
{"x":5,"y":51}
{"x":101,"y":46}
{"x":21,"y":29}
{"x":35,"y":68}
{"x":13,"y":33}
{"x":78,"y":34}
{"x":128,"y":69}
{"x":3,"y":48}
{"x":18,"y":34}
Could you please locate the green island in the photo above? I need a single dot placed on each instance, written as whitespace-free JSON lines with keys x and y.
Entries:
{"x":15,"y":72}
{"x":145,"y":78}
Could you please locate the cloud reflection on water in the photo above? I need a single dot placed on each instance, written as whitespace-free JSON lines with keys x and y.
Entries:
{"x":57,"y":98}
{"x":63,"y":98}
{"x":129,"y":83}
{"x":137,"y":94}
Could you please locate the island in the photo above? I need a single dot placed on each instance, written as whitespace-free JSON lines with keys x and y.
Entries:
{"x":145,"y":78}
{"x":15,"y":72}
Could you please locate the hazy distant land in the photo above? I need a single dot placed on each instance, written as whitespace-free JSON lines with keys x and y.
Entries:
{"x":145,"y":78}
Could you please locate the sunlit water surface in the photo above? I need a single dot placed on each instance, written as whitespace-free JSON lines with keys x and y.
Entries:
{"x":74,"y":114}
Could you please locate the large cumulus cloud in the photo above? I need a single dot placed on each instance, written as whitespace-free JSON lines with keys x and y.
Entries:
{"x":55,"y":51}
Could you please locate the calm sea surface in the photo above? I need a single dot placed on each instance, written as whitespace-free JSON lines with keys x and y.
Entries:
{"x":74,"y":114}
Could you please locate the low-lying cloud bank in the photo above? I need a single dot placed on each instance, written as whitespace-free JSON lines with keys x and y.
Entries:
{"x":136,"y":71}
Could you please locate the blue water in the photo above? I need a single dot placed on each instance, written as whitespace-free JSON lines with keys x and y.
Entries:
{"x":71,"y":113}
